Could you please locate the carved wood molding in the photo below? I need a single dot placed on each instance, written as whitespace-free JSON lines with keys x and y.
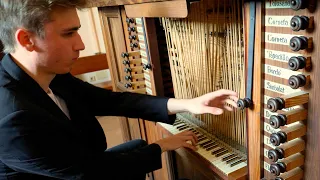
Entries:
{"x":103,"y":3}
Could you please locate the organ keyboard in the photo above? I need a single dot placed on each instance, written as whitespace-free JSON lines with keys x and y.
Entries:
{"x":217,"y":153}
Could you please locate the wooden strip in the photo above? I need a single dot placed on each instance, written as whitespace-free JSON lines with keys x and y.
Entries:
{"x":103,"y":3}
{"x":174,"y":8}
{"x":294,"y":161}
{"x":295,"y":174}
{"x":293,"y":147}
{"x":297,"y":98}
{"x":296,"y":115}
{"x":295,"y":131}
{"x":253,"y":119}
{"x":90,"y":64}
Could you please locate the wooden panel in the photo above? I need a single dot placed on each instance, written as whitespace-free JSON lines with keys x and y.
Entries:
{"x":112,"y":29}
{"x":115,"y":44}
{"x":90,"y":64}
{"x":134,"y":128}
{"x":175,"y":8}
{"x":103,"y":3}
{"x":276,"y":30}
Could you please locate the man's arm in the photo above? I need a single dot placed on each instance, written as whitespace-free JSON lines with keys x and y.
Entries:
{"x":102,"y":102}
{"x":33,"y":144}
{"x":213,"y":103}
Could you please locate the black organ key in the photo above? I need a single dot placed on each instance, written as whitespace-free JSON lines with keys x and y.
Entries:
{"x":205,"y":143}
{"x":212,"y":146}
{"x":217,"y":151}
{"x":233,"y":159}
{"x":228,"y":157}
{"x":222,"y":153}
{"x":237,"y":162}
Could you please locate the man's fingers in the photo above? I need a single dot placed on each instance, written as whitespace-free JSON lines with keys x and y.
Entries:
{"x":212,"y":110}
{"x":186,"y":145}
{"x":231,"y":102}
{"x":189,"y":138}
{"x":223,"y":92}
{"x":228,"y":108}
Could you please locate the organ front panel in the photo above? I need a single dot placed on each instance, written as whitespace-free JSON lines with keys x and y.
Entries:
{"x":288,"y":47}
{"x":267,"y":51}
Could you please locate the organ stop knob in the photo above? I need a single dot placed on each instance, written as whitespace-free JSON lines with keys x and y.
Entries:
{"x":125,"y":62}
{"x":127,"y":85}
{"x":275,"y":104}
{"x":130,"y":20}
{"x":296,"y":81}
{"x":298,"y":23}
{"x":298,"y":43}
{"x":277,"y":138}
{"x":128,"y":77}
{"x":146,"y":66}
{"x":275,"y":154}
{"x":277,"y":168}
{"x":297,"y":4}
{"x":127,"y":70}
{"x":277,"y":120}
{"x":132,"y":37}
{"x":244,"y":103}
{"x":133,"y":45}
{"x":124,"y":54}
{"x":296,"y":63}
{"x":131,"y":29}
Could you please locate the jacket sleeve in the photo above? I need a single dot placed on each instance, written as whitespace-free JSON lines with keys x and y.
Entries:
{"x":30,"y":144}
{"x":102,"y":102}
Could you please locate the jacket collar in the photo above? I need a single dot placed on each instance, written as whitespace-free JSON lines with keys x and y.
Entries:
{"x":31,"y":87}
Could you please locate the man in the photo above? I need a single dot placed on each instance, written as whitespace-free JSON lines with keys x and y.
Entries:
{"x":48,"y":127}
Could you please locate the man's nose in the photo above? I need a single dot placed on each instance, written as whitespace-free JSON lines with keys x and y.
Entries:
{"x":79,"y":46}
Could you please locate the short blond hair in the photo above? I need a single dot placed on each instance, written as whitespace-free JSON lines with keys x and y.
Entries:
{"x":29,"y":14}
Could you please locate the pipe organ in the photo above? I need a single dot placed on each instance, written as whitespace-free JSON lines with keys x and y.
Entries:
{"x":266,"y":51}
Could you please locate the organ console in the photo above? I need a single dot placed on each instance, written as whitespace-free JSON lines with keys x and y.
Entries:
{"x":267,"y":51}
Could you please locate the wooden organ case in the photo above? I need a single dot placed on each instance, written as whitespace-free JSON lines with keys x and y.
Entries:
{"x":266,"y":51}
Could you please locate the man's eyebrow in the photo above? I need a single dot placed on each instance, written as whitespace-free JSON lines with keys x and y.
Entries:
{"x":72,"y":29}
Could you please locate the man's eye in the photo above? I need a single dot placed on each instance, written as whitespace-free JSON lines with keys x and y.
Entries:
{"x":68,"y":34}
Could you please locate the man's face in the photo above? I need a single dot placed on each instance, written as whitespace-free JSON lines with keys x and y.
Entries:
{"x":60,"y":47}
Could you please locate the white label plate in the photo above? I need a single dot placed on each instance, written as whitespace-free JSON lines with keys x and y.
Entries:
{"x":277,"y":38}
{"x":140,"y":29}
{"x":279,"y":72}
{"x":275,"y":4}
{"x":149,"y":91}
{"x":138,"y":21}
{"x":143,"y":53}
{"x":279,"y":88}
{"x":141,"y":37}
{"x":278,"y":21}
{"x":142,"y":45}
{"x":278,"y":55}
{"x":148,"y":84}
{"x":147,"y":76}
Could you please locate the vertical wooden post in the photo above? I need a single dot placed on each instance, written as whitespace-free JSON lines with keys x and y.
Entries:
{"x":254,"y":124}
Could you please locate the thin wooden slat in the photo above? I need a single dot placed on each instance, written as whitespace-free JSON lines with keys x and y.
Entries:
{"x":254,"y":125}
{"x":175,"y":8}
{"x":90,"y":64}
{"x":103,"y":3}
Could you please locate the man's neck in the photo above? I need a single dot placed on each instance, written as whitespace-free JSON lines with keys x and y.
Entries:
{"x":42,"y":78}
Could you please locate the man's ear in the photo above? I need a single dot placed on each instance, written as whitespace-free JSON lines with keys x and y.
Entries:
{"x":24,"y":39}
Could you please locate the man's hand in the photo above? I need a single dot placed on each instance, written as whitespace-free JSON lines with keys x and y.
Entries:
{"x":182,"y":139}
{"x":214,"y":103}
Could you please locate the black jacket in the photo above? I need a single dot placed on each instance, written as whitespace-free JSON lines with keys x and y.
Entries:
{"x":38,"y":141}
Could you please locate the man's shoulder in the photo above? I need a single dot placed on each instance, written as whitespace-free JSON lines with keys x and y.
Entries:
{"x":5,"y":78}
